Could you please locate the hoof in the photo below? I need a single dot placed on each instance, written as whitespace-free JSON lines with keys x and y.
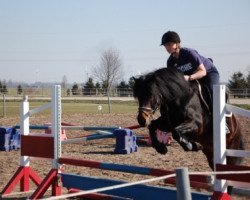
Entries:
{"x":162,"y":149}
{"x":197,"y":146}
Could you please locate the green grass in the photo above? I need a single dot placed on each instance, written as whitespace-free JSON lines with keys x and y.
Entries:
{"x":90,"y":108}
{"x":81,"y":107}
{"x":243,"y":106}
{"x":12,"y":108}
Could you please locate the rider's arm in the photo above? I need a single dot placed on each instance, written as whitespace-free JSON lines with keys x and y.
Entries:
{"x":198,"y":74}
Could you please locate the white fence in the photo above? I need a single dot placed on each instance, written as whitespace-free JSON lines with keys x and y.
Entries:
{"x":219,"y":120}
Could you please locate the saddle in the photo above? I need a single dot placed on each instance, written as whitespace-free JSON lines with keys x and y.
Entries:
{"x":205,"y":96}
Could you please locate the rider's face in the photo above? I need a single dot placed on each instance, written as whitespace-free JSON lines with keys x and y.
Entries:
{"x":170,"y":47}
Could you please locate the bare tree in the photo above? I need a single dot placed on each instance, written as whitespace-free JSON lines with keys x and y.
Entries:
{"x":110,"y":70}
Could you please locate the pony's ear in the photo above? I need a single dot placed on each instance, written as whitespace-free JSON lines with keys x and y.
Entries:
{"x":138,"y":78}
{"x":135,"y":79}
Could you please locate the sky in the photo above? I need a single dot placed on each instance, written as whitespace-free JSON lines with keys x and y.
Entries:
{"x":44,"y":40}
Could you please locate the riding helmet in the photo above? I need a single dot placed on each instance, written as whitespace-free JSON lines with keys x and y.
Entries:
{"x":170,"y":36}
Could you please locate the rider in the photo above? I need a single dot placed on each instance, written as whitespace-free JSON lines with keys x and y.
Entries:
{"x":189,"y":61}
{"x":193,"y":65}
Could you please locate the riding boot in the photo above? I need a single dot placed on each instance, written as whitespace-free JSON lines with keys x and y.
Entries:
{"x":228,"y":116}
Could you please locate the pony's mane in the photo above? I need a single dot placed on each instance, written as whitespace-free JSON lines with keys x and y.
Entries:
{"x":173,"y":80}
{"x":167,"y":82}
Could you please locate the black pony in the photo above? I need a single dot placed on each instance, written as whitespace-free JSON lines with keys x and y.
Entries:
{"x":182,"y":112}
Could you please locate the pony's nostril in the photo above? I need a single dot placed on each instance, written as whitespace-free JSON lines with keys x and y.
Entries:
{"x":141,"y":121}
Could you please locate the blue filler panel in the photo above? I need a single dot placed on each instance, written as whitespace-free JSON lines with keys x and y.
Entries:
{"x":125,"y":141}
{"x":135,"y":192}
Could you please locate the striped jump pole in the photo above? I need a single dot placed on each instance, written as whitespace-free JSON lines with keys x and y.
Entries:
{"x":85,"y":128}
{"x":197,"y":181}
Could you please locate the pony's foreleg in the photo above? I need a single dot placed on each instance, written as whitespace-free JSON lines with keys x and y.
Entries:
{"x":159,"y":147}
{"x":185,"y":143}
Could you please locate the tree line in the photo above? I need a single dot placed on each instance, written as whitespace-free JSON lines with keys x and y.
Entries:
{"x":108,"y":75}
{"x":91,"y":88}
{"x":3,"y":88}
{"x":237,"y":81}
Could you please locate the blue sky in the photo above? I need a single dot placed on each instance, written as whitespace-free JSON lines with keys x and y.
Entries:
{"x":43,"y":40}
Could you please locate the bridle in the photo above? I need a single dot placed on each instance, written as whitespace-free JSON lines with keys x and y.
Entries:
{"x":149,"y":112}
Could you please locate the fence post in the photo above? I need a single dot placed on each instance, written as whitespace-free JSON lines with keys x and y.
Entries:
{"x":56,"y":123}
{"x":183,"y":184}
{"x":219,"y":132}
{"x":24,"y":126}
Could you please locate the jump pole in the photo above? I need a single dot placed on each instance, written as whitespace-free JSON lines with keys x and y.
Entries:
{"x":196,"y":181}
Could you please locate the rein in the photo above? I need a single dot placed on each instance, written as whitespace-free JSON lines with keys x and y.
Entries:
{"x":201,"y":96}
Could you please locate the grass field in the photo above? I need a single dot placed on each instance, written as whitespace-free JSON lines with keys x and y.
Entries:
{"x":81,"y":107}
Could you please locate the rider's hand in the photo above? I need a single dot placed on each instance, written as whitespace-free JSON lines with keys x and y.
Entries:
{"x":186,"y":77}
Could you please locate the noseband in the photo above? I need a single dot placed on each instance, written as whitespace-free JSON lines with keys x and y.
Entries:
{"x":149,"y":112}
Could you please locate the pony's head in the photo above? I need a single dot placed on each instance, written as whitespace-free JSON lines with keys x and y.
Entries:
{"x":152,"y":89}
{"x":149,"y":98}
